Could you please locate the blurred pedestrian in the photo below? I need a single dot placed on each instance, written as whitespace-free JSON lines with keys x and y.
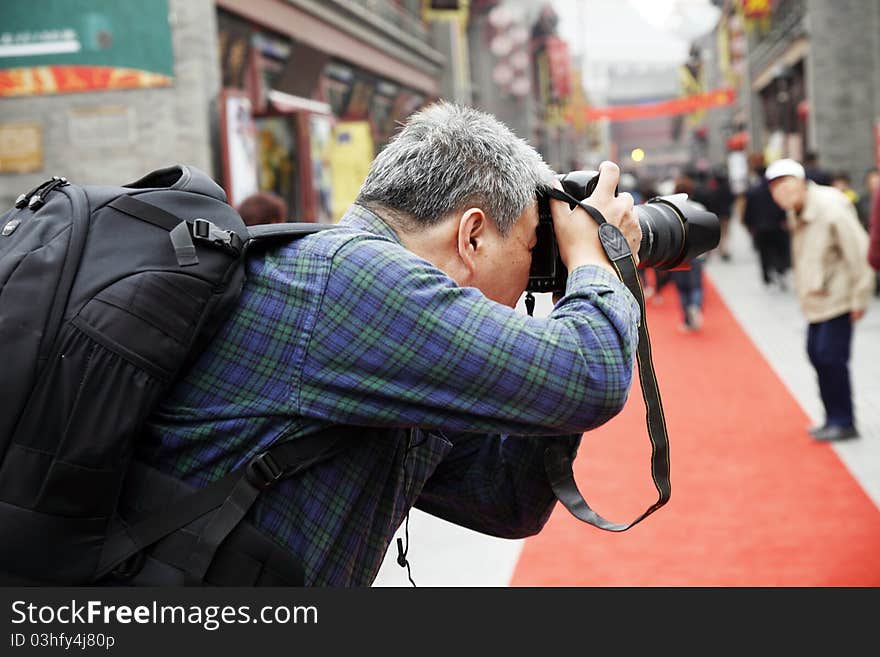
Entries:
{"x":841,"y":181}
{"x":814,"y":171}
{"x":833,"y":283}
{"x":718,"y":199}
{"x":263,"y":208}
{"x":874,"y":247}
{"x":765,"y":221}
{"x":689,"y":282}
{"x":872,"y":184}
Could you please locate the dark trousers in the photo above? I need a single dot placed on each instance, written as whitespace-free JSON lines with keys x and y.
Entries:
{"x":828,"y":346}
{"x":690,"y":286}
{"x":774,"y":252}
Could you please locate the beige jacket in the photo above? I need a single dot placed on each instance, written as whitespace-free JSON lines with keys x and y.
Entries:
{"x":829,"y":249}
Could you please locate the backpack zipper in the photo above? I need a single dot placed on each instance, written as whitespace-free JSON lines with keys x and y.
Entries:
{"x":23,"y":199}
{"x":38,"y":199}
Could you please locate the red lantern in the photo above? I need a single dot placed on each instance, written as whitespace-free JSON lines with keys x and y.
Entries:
{"x":756,"y":9}
{"x":738,"y":141}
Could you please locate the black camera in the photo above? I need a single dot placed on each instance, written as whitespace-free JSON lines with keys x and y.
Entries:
{"x":674,"y":231}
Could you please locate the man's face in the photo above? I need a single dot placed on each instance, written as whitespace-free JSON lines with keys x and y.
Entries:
{"x":504,"y":263}
{"x":789,"y":192}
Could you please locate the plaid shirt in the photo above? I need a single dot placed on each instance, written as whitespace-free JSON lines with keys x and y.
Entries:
{"x":349,"y":327}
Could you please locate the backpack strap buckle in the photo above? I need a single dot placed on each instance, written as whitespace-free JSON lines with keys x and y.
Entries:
{"x":263,"y":471}
{"x":204,"y":230}
{"x":201,"y":228}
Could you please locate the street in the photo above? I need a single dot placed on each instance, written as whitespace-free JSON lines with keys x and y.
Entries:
{"x":442,"y":554}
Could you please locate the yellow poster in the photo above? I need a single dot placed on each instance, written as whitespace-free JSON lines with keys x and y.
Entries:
{"x":21,"y":147}
{"x":350,"y":156}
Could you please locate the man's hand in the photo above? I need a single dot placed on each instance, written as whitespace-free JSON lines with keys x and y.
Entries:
{"x":856,"y":315}
{"x":577,"y":232}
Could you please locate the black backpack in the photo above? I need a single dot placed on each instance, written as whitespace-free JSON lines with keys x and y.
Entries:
{"x":107,"y":295}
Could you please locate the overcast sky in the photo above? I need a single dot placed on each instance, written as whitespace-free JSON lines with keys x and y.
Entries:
{"x":654,"y":32}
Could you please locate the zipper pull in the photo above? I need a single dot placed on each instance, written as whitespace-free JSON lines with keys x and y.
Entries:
{"x":23,"y":199}
{"x":38,"y":200}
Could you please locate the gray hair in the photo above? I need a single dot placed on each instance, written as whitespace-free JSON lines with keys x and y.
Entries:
{"x":449,"y":157}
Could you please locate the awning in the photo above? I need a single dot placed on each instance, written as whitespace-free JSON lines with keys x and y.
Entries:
{"x":288,"y":103}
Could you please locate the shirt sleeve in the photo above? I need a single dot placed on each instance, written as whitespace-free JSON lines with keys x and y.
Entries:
{"x":492,"y":484}
{"x":398,"y":344}
{"x":853,"y":242}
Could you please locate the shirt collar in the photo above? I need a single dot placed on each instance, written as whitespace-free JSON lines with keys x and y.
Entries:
{"x":361,"y":218}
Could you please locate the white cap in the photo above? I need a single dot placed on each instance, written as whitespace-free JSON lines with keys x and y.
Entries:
{"x":785,"y":167}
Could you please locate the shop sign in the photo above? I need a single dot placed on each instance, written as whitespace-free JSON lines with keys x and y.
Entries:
{"x":757,"y":9}
{"x":559,"y":62}
{"x":21,"y":147}
{"x":84,"y":45}
{"x":238,"y":146}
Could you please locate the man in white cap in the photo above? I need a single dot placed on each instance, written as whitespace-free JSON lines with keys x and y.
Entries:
{"x":833,"y":282}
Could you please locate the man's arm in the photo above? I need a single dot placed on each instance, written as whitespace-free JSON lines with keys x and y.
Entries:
{"x":492,"y":484}
{"x":853,"y":244}
{"x":397,"y":343}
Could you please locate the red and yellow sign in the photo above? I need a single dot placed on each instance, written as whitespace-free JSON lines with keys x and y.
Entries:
{"x":672,"y":107}
{"x":67,"y":46}
{"x":66,"y":79}
{"x":756,"y":9}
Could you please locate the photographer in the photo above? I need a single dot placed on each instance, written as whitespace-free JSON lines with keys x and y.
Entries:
{"x":401,"y":322}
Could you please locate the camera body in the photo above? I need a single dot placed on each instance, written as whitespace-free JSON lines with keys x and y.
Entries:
{"x":674,"y":231}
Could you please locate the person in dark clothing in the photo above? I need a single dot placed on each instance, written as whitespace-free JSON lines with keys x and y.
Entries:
{"x":689,"y":282}
{"x":815,"y":172}
{"x":765,"y":220}
{"x":718,"y":198}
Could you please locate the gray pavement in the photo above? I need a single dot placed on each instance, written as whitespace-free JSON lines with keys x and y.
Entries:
{"x":443,"y":554}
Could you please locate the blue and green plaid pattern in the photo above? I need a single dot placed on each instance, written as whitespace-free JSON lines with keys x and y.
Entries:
{"x":349,"y":327}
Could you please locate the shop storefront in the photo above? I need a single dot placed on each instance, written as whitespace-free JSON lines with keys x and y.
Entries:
{"x":299,"y":121}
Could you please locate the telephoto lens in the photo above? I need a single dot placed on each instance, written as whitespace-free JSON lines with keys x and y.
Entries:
{"x":674,"y":232}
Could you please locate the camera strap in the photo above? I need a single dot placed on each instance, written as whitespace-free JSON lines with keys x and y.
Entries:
{"x":557,"y":458}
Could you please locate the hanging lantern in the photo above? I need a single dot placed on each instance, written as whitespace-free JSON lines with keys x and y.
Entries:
{"x":756,"y":10}
{"x":755,"y":13}
{"x":738,"y":141}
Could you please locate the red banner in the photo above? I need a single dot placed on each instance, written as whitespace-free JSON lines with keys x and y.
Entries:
{"x":684,"y":105}
{"x":65,"y":79}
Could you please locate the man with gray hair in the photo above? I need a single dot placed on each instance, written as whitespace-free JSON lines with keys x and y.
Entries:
{"x":833,"y":282}
{"x":400,"y":327}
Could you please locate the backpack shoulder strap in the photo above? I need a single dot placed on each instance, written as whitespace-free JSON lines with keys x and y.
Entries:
{"x":231,"y":496}
{"x":265,"y":233}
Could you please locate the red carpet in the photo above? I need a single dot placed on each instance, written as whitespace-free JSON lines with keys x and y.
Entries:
{"x":755,"y":502}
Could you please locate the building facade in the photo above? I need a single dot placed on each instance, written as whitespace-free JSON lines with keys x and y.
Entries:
{"x":70,"y":121}
{"x":289,"y":96}
{"x":809,"y":81}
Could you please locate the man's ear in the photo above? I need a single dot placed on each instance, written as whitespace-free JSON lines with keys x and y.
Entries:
{"x":471,"y":233}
